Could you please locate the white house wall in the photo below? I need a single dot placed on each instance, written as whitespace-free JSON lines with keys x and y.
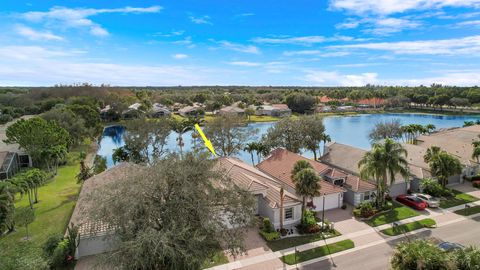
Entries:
{"x":95,"y":244}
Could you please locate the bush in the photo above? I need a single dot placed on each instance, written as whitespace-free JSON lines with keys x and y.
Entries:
{"x":476,"y":184}
{"x":388,"y":206}
{"x":366,"y":209}
{"x":468,"y":258}
{"x":432,"y":187}
{"x":270,"y":236}
{"x":5,"y":118}
{"x":309,"y":218}
{"x":267,"y":226}
{"x":409,"y":254}
{"x":51,"y":243}
{"x":60,"y":254}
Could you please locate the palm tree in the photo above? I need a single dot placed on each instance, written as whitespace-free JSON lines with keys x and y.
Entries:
{"x":7,"y":199}
{"x":382,"y":163}
{"x":263,"y":150}
{"x":282,"y":214}
{"x":325,"y":138}
{"x":300,"y":165}
{"x":250,"y":148}
{"x":430,"y":128}
{"x":442,"y":164}
{"x":476,"y":153}
{"x":306,"y":184}
{"x":181,"y":127}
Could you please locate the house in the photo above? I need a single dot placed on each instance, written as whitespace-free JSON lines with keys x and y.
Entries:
{"x":231,"y":110}
{"x":276,"y":110}
{"x":158,"y":110}
{"x":266,"y":190}
{"x":133,"y":111}
{"x":279,"y":166}
{"x":105,"y":113}
{"x":457,"y":142}
{"x":97,"y":237}
{"x":191,"y":111}
{"x":346,"y":158}
{"x":12,"y":157}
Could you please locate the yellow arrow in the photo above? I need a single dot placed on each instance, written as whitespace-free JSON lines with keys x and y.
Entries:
{"x":208,"y":143}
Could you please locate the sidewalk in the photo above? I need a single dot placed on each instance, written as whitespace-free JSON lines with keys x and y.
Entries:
{"x":362,"y":239}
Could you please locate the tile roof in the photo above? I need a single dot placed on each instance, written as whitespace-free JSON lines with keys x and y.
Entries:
{"x":254,"y":180}
{"x":281,"y":162}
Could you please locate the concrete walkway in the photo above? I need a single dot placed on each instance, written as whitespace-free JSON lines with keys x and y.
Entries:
{"x":362,"y":238}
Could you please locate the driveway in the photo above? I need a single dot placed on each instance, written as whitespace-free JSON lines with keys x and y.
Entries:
{"x":466,"y":187}
{"x":344,"y":221}
{"x":254,"y":244}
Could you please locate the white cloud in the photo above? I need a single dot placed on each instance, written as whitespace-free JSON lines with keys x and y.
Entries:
{"x":387,"y":7}
{"x":317,"y":53}
{"x":456,"y":78}
{"x":333,"y":78}
{"x":79,"y":17}
{"x":180,"y":56}
{"x":239,"y":47}
{"x":348,"y":24}
{"x":201,"y":20}
{"x":248,"y":14}
{"x":171,"y":34}
{"x":474,"y":23}
{"x":245,"y":64}
{"x":302,"y":40}
{"x":387,"y":26}
{"x":469,"y":45}
{"x":32,"y":52}
{"x":36,"y":35}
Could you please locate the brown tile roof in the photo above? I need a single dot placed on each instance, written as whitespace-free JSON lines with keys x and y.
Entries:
{"x":254,"y":180}
{"x":281,"y":162}
{"x":456,"y":141}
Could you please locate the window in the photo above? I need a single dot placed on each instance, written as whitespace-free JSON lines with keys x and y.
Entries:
{"x":366,"y":196}
{"x":289,"y":213}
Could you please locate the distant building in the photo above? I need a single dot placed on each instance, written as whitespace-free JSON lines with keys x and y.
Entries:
{"x":231,"y":110}
{"x":277,"y":110}
{"x":158,"y":110}
{"x":133,"y":111}
{"x":191,"y":111}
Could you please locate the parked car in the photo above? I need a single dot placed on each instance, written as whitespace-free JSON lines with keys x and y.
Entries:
{"x":431,"y":201}
{"x":448,"y":246}
{"x":412,"y":201}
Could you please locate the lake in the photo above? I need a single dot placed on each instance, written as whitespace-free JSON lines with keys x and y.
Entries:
{"x":352,"y":130}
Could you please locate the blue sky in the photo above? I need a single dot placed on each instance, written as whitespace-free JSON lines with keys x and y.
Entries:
{"x":240,"y":42}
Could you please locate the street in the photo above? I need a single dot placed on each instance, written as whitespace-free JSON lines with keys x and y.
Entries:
{"x":378,"y":257}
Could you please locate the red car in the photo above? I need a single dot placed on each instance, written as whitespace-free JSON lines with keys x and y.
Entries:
{"x":412,"y":201}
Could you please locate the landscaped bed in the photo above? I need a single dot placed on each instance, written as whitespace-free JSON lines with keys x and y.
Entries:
{"x":398,"y":212}
{"x":459,"y":198}
{"x":217,"y":259}
{"x":408,"y":227}
{"x":468,"y":211}
{"x":293,"y":241}
{"x":317,"y":252}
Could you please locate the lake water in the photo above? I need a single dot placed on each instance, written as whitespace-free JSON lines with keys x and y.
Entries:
{"x":352,"y":130}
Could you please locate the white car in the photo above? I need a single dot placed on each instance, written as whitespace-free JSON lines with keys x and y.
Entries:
{"x":431,"y":201}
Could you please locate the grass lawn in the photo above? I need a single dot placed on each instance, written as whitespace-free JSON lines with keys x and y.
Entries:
{"x":398,"y":212}
{"x":52,"y":213}
{"x":264,"y":118}
{"x":297,"y":241}
{"x":317,"y":252}
{"x":424,"y":223}
{"x":458,"y":199}
{"x":470,"y":211}
{"x":217,"y":259}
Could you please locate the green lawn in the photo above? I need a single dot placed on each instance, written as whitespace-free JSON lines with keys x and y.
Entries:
{"x":317,"y":252}
{"x":398,"y":212}
{"x":297,"y":241}
{"x":458,"y":199}
{"x":217,"y":259}
{"x":424,"y":223}
{"x":56,"y":202}
{"x":470,"y":211}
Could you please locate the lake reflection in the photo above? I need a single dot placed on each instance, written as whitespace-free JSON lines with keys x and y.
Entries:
{"x":352,"y":130}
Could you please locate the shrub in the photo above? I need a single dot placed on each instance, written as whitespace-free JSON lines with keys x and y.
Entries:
{"x":468,"y":258}
{"x":409,"y":254}
{"x":356,"y":212}
{"x":60,"y":254}
{"x":51,"y":243}
{"x":366,"y":209}
{"x":270,"y":236}
{"x":476,"y":184}
{"x":267,"y":226}
{"x":388,"y":206}
{"x":4,"y":118}
{"x":432,"y":187}
{"x":309,"y":218}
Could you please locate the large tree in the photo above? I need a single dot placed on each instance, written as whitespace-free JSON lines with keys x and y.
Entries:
{"x":386,"y":129}
{"x":382,"y":164}
{"x":287,"y":133}
{"x":300,"y":102}
{"x":175,"y":214}
{"x":145,"y":140}
{"x":74,"y":124}
{"x":313,"y":132}
{"x":45,"y":141}
{"x":442,"y":164}
{"x":421,"y":254}
{"x":7,"y":207}
{"x":228,"y":134}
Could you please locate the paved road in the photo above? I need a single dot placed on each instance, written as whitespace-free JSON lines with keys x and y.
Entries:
{"x":378,"y":257}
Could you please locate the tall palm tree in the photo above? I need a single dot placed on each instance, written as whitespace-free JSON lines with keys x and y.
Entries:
{"x":282,"y":214}
{"x":476,"y":153}
{"x":250,"y":148}
{"x":442,"y":164}
{"x":300,"y":165}
{"x":383,"y":163}
{"x":306,"y":184}
{"x":180,"y":127}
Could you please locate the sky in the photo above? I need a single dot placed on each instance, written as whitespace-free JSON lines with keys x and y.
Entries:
{"x":240,"y":42}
